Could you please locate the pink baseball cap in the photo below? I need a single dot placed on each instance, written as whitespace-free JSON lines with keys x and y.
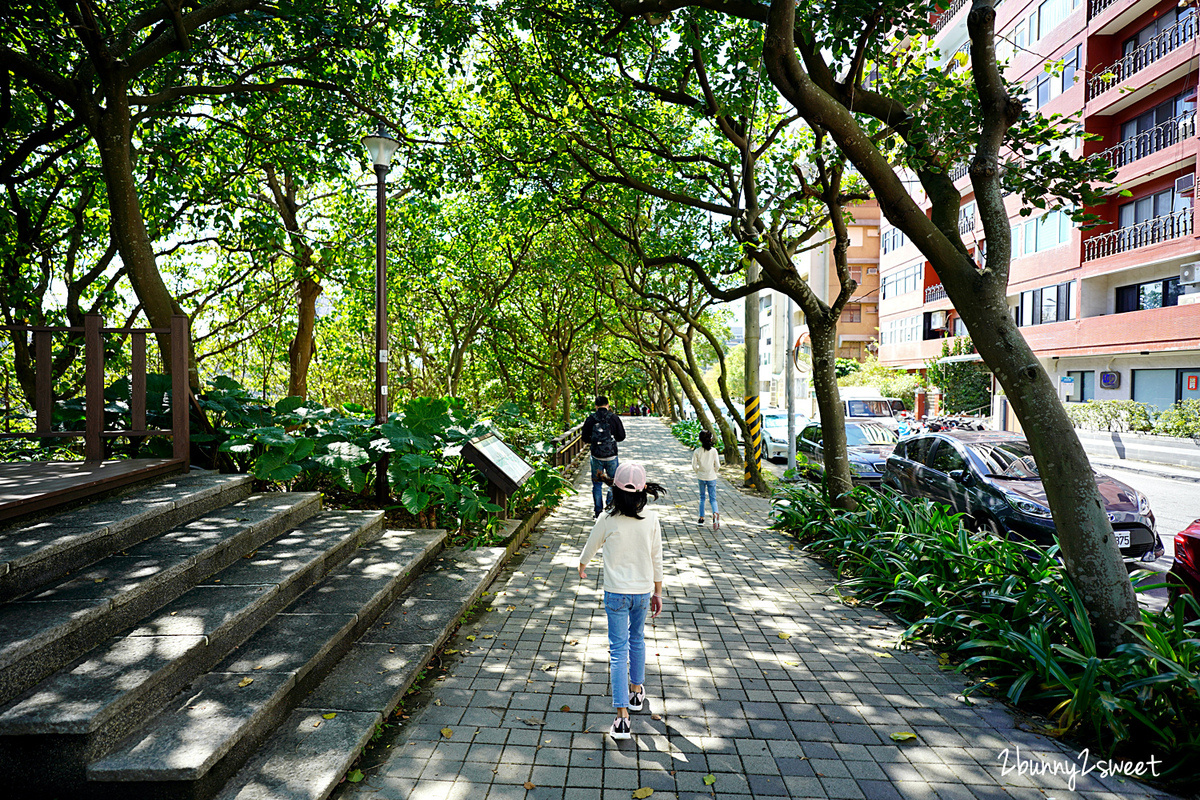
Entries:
{"x":631,"y":477}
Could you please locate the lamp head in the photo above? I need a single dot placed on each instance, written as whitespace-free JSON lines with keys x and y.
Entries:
{"x":381,"y":148}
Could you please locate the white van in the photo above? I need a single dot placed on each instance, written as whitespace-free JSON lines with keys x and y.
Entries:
{"x":868,"y":405}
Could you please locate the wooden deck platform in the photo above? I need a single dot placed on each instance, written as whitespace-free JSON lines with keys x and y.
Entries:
{"x":27,"y":487}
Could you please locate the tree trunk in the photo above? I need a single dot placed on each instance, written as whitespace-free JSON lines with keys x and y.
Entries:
{"x":303,"y":346}
{"x":690,"y":390}
{"x":823,"y":334}
{"x":111,"y":130}
{"x":728,"y":437}
{"x":673,"y":397}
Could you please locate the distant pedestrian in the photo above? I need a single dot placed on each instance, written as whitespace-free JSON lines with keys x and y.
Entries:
{"x":633,"y":585}
{"x":705,"y":463}
{"x":602,"y":430}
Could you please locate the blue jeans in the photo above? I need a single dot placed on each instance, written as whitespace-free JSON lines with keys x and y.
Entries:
{"x":711,"y":488}
{"x":626,"y":642}
{"x":610,"y":468}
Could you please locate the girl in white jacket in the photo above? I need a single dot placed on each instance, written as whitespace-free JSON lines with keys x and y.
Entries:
{"x":633,"y":583}
{"x":705,"y":462}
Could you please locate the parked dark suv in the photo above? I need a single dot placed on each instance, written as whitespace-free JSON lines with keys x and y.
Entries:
{"x":867,"y":443}
{"x":991,"y":477}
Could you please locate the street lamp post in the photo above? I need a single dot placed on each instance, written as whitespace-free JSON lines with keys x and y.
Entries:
{"x":381,"y":148}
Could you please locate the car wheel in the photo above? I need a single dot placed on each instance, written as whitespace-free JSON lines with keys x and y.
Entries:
{"x":991,"y":527}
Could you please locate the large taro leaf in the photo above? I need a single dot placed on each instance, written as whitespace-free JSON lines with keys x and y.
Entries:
{"x":273,"y":436}
{"x":427,"y":418}
{"x":275,"y":465}
{"x":414,"y":500}
{"x":342,"y":456}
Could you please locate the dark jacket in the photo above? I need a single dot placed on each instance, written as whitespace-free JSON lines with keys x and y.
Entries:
{"x":614,"y":423}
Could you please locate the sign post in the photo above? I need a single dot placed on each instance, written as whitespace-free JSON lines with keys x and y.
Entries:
{"x":503,"y":469}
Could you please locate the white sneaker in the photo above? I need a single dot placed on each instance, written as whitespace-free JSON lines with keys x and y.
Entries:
{"x":620,"y":728}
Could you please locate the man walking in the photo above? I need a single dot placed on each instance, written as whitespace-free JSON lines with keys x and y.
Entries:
{"x":602,"y":430}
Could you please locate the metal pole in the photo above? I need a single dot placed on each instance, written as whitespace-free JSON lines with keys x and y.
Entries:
{"x":790,"y":376}
{"x":381,"y":338}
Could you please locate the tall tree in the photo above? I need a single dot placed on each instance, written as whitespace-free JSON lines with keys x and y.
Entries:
{"x":841,"y":68}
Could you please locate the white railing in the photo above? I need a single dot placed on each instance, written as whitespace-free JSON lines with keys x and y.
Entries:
{"x":959,"y":171}
{"x":1141,"y":234}
{"x":935,"y":292}
{"x":940,"y":21}
{"x":966,"y":220}
{"x":1138,"y":59}
{"x":1149,"y":142}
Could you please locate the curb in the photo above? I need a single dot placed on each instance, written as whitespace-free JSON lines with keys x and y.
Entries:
{"x":1145,"y":471}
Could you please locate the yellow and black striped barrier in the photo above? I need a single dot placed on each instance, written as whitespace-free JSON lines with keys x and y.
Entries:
{"x":754,"y":446}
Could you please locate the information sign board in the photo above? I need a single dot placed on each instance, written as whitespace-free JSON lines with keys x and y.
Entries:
{"x":498,"y":463}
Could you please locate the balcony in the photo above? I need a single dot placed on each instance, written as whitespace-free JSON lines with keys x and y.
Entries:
{"x":935,"y":292}
{"x":1141,"y":234}
{"x":1152,"y":51}
{"x":966,"y":220}
{"x":943,"y":18}
{"x":1149,"y":142}
{"x":959,"y":171}
{"x":1095,"y":7}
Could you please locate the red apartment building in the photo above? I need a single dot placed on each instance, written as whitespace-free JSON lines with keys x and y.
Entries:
{"x":1113,"y":312}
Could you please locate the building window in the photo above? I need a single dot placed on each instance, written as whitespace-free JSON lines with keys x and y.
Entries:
{"x":1152,"y":206}
{"x":1046,"y":87}
{"x":893,"y":238}
{"x":1153,"y":294}
{"x":852,"y":312}
{"x":856,"y":274}
{"x":903,"y":281}
{"x":897,"y":331}
{"x":764,"y":303}
{"x":1048,"y":304}
{"x":1160,"y":127}
{"x":1083,"y":388}
{"x":1042,"y":233}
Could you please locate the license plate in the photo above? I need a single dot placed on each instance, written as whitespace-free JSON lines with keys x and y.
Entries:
{"x":1122,"y":538}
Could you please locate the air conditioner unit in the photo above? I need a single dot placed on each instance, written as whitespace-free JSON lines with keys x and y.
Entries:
{"x":1185,"y":184}
{"x":1188,"y":274}
{"x":937,"y":321}
{"x":872,"y":270}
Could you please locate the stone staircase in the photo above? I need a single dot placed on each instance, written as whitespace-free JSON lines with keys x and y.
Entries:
{"x":194,"y":640}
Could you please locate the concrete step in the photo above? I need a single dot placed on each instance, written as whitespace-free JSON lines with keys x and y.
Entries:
{"x":86,"y":709}
{"x":308,"y":755}
{"x":37,"y":553}
{"x":49,"y":628}
{"x":200,"y":739}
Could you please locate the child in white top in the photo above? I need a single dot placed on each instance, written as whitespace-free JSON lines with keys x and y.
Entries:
{"x":633,"y":580}
{"x":705,"y":462}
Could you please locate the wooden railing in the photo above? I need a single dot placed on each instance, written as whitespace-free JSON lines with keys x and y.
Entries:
{"x":567,"y":445}
{"x":94,"y":374}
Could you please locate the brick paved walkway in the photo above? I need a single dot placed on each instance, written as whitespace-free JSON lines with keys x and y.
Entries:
{"x":807,"y":716}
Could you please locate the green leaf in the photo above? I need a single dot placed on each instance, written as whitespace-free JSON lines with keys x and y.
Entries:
{"x":354,"y":776}
{"x":710,"y":779}
{"x":415,"y":501}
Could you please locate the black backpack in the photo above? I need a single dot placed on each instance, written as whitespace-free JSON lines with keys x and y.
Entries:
{"x":604,"y":444}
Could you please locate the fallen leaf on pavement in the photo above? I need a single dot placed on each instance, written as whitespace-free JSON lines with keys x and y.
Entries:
{"x":534,"y":721}
{"x":710,"y":779}
{"x":903,"y":736}
{"x":470,"y":638}
{"x":355,"y":776}
{"x":655,"y":716}
{"x":447,"y":732}
{"x":244,"y":682}
{"x":643,"y":792}
{"x":548,"y":667}
{"x":785,"y":636}
{"x":330,"y":715}
{"x":530,"y":785}
{"x":885,"y":655}
{"x":565,"y":708}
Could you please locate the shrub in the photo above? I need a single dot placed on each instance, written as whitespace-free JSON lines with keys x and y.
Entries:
{"x":688,"y":432}
{"x":1111,"y":415}
{"x":1007,"y":609}
{"x":890,"y":382}
{"x":1181,"y":419}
